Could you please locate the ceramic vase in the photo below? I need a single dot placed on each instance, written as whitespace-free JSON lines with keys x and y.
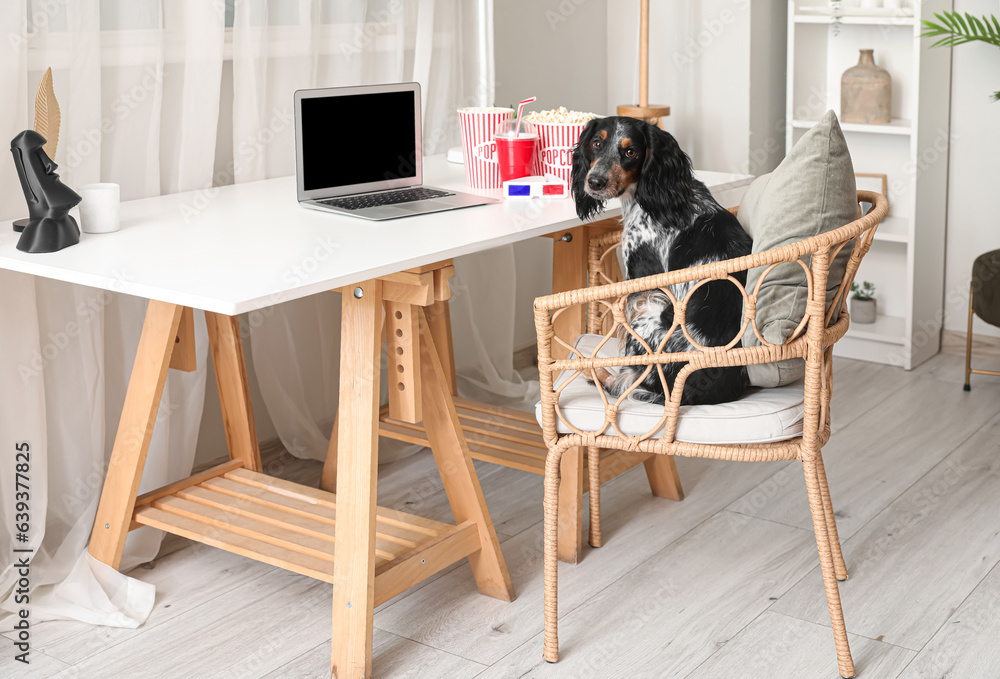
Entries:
{"x":866,"y":92}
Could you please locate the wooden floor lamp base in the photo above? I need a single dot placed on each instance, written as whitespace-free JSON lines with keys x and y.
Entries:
{"x":653,"y":115}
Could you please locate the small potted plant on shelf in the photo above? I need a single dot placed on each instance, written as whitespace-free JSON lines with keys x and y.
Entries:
{"x":864,"y":307}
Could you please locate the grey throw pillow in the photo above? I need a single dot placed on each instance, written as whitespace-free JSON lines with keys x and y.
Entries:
{"x":811,"y":192}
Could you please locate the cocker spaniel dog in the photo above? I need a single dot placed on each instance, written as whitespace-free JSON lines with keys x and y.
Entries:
{"x":671,"y":221}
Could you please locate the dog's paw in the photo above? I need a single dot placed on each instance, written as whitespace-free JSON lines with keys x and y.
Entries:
{"x":647,"y":396}
{"x":603,"y":375}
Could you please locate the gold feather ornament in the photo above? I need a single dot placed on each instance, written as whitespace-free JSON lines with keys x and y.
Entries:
{"x":47,"y":116}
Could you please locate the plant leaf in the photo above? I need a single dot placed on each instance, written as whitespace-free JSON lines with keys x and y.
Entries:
{"x":978,"y":27}
{"x":971,"y":23}
{"x":47,"y":116}
{"x":954,"y":29}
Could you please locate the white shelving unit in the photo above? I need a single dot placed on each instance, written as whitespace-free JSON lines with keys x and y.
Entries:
{"x":906,"y":261}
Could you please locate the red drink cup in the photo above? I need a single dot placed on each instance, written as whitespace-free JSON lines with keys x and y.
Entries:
{"x":517,"y":156}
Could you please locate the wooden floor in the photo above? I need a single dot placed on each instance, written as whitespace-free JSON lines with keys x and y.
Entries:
{"x":724,"y":585}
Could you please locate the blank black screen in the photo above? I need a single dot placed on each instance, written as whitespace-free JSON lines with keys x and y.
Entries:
{"x":357,"y":139}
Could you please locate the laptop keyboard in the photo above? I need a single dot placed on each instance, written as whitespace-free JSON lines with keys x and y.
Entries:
{"x":384,"y":198}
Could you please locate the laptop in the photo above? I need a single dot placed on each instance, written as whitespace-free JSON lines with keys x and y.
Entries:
{"x":358,"y":152}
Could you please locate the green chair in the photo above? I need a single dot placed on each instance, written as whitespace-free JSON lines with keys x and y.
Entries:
{"x":984,"y":301}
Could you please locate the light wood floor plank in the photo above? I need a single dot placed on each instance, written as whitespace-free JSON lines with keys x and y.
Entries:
{"x":669,"y":615}
{"x":859,"y":386}
{"x":775,"y":645}
{"x":915,"y":563}
{"x":447,"y":614}
{"x":951,"y":368}
{"x":184,"y":579}
{"x":413,"y":484}
{"x":394,"y":658}
{"x":246,"y":632}
{"x":874,"y":459}
{"x":40,"y":666}
{"x":892,"y":429}
{"x":968,"y":645}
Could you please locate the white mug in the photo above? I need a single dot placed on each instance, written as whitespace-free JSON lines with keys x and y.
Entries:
{"x":100,"y":208}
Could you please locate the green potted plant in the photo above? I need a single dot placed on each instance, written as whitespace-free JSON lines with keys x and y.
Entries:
{"x":952,"y":28}
{"x":864,"y":306}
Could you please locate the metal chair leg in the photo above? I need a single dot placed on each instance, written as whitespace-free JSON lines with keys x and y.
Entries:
{"x":968,"y":347}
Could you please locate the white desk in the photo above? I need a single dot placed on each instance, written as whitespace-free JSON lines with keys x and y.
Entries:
{"x":240,"y":248}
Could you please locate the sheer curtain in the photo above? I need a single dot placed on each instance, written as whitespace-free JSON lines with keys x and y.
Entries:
{"x":145,"y":87}
{"x":66,"y":351}
{"x":446,"y":46}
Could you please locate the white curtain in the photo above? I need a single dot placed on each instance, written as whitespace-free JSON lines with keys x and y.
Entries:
{"x":174,"y":95}
{"x":446,"y":46}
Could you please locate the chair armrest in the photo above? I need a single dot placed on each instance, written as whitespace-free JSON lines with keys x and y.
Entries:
{"x":819,"y":250}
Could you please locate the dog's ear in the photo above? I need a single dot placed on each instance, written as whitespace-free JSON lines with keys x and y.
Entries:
{"x":586,"y":205}
{"x":665,"y":183}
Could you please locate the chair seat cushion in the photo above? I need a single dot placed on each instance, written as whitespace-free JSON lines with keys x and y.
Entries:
{"x":760,"y":416}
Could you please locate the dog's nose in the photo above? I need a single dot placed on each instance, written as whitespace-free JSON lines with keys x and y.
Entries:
{"x":597,"y":183}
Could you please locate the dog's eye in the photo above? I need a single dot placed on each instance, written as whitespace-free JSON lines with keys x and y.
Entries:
{"x":598,"y":144}
{"x":630,"y":153}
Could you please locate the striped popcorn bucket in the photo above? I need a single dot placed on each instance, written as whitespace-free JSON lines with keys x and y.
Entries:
{"x":557,"y":142}
{"x":478,"y":126}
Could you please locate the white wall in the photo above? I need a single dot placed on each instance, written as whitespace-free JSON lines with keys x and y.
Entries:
{"x":555,"y":50}
{"x":705,"y":60}
{"x":973,"y":223}
{"x":768,"y":63}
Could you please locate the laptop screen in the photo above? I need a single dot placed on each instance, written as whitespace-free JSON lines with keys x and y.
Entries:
{"x":358,"y":139}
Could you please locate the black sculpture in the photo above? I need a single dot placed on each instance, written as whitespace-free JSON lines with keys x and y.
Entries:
{"x":49,"y":227}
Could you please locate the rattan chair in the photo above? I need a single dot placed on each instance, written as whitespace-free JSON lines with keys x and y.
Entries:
{"x":812,"y":340}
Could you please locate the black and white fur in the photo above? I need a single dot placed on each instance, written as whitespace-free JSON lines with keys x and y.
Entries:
{"x":671,"y":221}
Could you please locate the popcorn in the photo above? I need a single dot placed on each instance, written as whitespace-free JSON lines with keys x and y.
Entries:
{"x":560,"y":115}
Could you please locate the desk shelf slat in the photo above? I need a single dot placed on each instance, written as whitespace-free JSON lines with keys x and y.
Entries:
{"x":509,"y":438}
{"x":291,"y":526}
